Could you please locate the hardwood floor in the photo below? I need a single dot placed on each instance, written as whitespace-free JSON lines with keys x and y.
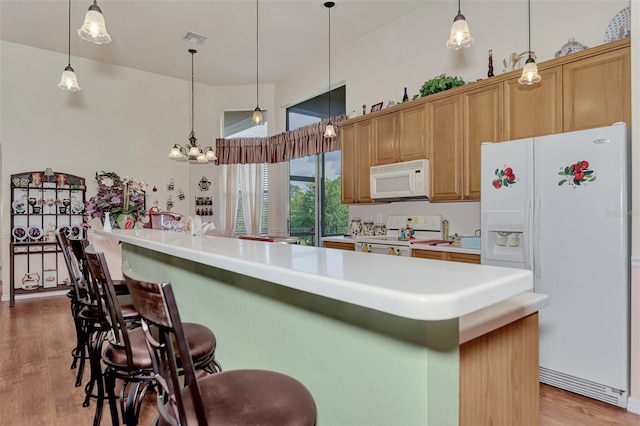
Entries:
{"x":37,"y":385}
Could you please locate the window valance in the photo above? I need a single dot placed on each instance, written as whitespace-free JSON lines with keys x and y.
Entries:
{"x":301,"y":142}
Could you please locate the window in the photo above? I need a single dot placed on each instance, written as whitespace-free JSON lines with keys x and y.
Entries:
{"x":237,"y":124}
{"x":315,"y":208}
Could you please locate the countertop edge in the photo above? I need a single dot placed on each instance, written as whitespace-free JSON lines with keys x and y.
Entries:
{"x":491,"y":318}
{"x":448,"y":248}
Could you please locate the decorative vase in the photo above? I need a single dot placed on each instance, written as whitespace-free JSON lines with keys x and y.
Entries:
{"x":107,"y":222}
{"x":125,"y":220}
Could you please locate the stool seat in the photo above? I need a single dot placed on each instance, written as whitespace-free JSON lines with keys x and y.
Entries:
{"x":252,"y":397}
{"x":201,"y":341}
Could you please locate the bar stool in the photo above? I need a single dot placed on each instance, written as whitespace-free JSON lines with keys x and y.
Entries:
{"x":237,"y":397}
{"x":126,"y":356}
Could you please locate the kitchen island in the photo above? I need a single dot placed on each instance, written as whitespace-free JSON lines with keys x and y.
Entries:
{"x":376,"y":339}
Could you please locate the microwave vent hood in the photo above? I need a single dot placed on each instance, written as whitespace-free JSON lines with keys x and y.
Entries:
{"x":408,"y":180}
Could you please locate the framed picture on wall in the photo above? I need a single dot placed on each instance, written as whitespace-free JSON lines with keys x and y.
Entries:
{"x":376,"y":107}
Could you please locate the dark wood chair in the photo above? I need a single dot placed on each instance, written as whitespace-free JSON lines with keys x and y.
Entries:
{"x":238,"y":397}
{"x":126,"y":356}
{"x":77,"y":295}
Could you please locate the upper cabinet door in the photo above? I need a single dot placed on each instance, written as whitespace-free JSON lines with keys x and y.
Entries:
{"x":533,"y":110}
{"x":412,"y":134}
{"x":597,"y":91}
{"x":348,"y":155}
{"x":444,"y":136}
{"x":363,"y":162}
{"x":385,"y":146}
{"x":483,"y":123}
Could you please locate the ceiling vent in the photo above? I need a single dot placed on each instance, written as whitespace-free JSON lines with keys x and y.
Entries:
{"x":194,"y":38}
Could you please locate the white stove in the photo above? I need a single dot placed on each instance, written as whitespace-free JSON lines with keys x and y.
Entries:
{"x":425,"y":227}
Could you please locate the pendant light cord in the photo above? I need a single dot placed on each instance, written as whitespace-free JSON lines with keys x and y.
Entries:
{"x":529,"y":16}
{"x":257,"y":54}
{"x":69,"y":35}
{"x":458,"y":7}
{"x":330,"y":61}
{"x":192,"y":51}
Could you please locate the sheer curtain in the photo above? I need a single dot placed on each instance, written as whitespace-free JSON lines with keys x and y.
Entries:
{"x":251,"y":187}
{"x":227,"y":194}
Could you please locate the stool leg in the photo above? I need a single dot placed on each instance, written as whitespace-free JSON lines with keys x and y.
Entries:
{"x":94,"y":362}
{"x":80,"y":352}
{"x":110,"y":385}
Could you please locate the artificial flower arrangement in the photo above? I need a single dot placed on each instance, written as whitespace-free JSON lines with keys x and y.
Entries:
{"x":121,"y":197}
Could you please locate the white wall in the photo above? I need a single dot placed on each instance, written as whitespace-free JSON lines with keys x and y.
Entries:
{"x":123,"y":120}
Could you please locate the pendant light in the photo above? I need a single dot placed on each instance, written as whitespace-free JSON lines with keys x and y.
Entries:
{"x":530,"y":71}
{"x":191,"y":151}
{"x":329,"y":131}
{"x":460,"y":35}
{"x":69,"y":81}
{"x":257,"y":114}
{"x":94,"y":29}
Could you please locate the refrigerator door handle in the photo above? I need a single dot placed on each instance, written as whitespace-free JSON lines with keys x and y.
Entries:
{"x":526,"y":235}
{"x":537,"y":268}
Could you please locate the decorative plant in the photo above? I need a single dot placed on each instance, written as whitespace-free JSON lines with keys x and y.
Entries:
{"x":439,"y":84}
{"x":119,"y":196}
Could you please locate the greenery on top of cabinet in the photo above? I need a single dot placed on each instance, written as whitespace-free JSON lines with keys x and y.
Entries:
{"x":439,"y":84}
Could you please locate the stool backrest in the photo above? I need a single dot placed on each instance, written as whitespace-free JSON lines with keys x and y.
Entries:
{"x":72,"y":268}
{"x":164,"y":333}
{"x":109,"y":305}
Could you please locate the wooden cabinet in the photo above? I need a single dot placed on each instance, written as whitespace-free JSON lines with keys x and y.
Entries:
{"x":399,"y":136}
{"x":339,"y":245}
{"x":355,"y":142}
{"x":534,"y":110}
{"x":597,"y":91}
{"x":445,"y":140}
{"x":412,"y":134}
{"x":385,"y":139}
{"x":348,"y":159}
{"x":446,"y":255}
{"x":482,"y":114}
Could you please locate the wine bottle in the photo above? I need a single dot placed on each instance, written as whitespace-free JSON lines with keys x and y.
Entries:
{"x":490,"y":73}
{"x":405,"y":97}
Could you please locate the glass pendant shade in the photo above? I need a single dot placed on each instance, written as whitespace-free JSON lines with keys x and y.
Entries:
{"x":194,"y":151}
{"x":210,"y":154}
{"x":94,"y":29}
{"x":257,"y":116}
{"x":69,"y":81}
{"x":530,"y":73}
{"x":329,"y":131}
{"x":460,"y":35}
{"x":176,"y":152}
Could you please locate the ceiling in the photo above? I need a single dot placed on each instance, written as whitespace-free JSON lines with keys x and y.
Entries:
{"x":148,"y":34}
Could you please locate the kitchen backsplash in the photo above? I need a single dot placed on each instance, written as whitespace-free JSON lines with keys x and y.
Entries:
{"x":464,"y":218}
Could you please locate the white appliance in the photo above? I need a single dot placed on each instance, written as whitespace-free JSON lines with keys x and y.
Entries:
{"x":400,"y":180}
{"x":558,"y":205}
{"x":426,"y":227}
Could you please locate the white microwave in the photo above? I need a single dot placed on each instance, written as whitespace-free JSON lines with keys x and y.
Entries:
{"x":409,"y":179}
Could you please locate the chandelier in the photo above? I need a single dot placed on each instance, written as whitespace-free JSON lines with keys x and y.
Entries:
{"x":191,"y":151}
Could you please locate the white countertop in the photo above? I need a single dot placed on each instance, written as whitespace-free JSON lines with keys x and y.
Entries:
{"x":420,"y":289}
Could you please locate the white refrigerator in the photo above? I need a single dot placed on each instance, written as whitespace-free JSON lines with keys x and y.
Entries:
{"x":559,"y":206}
